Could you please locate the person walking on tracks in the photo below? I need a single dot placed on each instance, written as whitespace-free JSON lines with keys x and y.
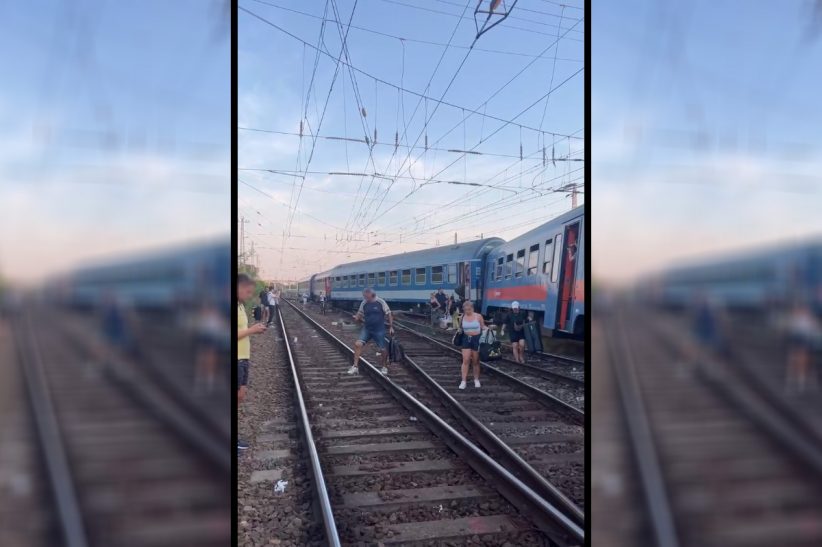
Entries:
{"x":472,"y":326}
{"x":264,"y":304}
{"x":245,"y":289}
{"x":515,"y":323}
{"x":373,"y":312}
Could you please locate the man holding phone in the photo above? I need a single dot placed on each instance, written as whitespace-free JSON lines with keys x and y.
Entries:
{"x":373,"y":312}
{"x":245,"y":289}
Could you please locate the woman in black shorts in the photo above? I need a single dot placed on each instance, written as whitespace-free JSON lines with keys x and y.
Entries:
{"x":472,"y":326}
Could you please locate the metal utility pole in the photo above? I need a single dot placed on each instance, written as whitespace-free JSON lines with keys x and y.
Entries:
{"x":243,"y":222}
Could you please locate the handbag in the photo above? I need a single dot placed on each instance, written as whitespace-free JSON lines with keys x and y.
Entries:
{"x":458,"y":337}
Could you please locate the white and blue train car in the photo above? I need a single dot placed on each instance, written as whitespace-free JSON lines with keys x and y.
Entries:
{"x":756,"y":279}
{"x":408,"y":279}
{"x":544,"y":270}
{"x":156,"y":279}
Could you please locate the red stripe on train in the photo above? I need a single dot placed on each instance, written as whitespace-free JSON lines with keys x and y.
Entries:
{"x":525,"y":292}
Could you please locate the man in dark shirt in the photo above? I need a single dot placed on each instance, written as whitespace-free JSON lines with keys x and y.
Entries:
{"x":442,"y":299}
{"x":515,"y":323}
{"x":373,"y":312}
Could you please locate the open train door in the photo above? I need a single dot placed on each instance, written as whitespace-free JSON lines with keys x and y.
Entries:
{"x":567,"y":277}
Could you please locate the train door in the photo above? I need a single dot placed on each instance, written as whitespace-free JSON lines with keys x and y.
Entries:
{"x":567,"y":275}
{"x":328,"y":287}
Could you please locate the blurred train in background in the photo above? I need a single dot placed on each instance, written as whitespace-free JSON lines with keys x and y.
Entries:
{"x":761,"y":279}
{"x":155,"y":280}
{"x":543,"y":269}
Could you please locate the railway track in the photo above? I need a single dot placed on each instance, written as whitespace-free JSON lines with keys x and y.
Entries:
{"x":568,"y":389}
{"x":718,"y":464}
{"x":125,"y":465}
{"x":561,"y":369}
{"x":395,"y":471}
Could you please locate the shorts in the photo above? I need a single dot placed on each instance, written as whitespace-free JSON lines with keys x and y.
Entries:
{"x":471,"y":342}
{"x":242,"y":372}
{"x":515,"y":336}
{"x":378,"y":336}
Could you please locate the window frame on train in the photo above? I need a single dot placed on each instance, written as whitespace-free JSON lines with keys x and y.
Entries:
{"x":519,"y":264}
{"x":509,"y":265}
{"x":547,"y":256}
{"x":436,"y":270}
{"x":381,"y":279}
{"x":533,"y":260}
{"x":393,"y":278}
{"x":417,"y":276}
{"x":557,"y":260}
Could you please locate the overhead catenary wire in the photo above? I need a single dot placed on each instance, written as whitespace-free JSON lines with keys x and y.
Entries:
{"x":395,"y":86}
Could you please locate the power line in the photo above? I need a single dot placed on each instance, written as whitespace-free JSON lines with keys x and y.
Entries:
{"x":461,"y":17}
{"x":407,"y":39}
{"x":395,"y":86}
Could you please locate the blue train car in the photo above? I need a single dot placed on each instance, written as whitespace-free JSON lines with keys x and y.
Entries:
{"x":408,"y":279}
{"x":754,"y":280}
{"x":543,"y":269}
{"x":157,"y":279}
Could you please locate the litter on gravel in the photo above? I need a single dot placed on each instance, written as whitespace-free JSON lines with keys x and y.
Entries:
{"x":280,"y":486}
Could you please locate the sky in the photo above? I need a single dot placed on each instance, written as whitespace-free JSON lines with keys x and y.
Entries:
{"x":397,"y":195}
{"x":705,"y":129}
{"x":115,"y":129}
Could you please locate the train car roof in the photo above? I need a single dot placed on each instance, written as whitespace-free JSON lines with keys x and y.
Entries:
{"x":751,"y":255}
{"x":444,"y":254}
{"x":177,"y":253}
{"x":564,"y":217}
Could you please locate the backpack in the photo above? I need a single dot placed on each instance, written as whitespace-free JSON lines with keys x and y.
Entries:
{"x":258,"y":313}
{"x":396,"y":352}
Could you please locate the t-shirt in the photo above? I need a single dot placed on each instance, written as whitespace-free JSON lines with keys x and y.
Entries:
{"x":374,"y":313}
{"x":442,"y":299}
{"x":264,"y":298}
{"x":272,"y":299}
{"x":244,"y":345}
{"x":516,"y":319}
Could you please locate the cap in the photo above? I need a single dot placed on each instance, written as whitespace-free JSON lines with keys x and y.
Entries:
{"x":515,"y":304}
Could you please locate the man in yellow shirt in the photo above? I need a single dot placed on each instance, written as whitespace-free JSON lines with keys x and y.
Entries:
{"x":245,"y":289}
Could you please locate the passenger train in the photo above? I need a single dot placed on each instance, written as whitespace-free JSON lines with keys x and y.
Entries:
{"x":543,"y":269}
{"x":157,"y":279}
{"x":755,"y":279}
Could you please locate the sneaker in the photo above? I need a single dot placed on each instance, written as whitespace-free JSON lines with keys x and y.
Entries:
{"x":242,"y":445}
{"x":476,"y":383}
{"x":462,"y":384}
{"x":353,"y":370}
{"x":384,"y":370}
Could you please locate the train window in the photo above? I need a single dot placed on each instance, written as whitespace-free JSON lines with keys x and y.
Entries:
{"x":420,"y":277}
{"x":371,"y":279}
{"x":452,"y":273}
{"x":406,"y":277}
{"x":500,"y":261}
{"x":520,"y":264}
{"x":381,"y":279}
{"x":557,"y":258}
{"x":546,"y":265}
{"x":533,"y":259}
{"x":509,"y":265}
{"x":392,"y":278}
{"x":344,"y":284}
{"x":362,"y":280}
{"x":436,"y":274}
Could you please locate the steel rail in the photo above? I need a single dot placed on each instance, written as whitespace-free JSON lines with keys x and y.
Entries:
{"x":643,"y":445}
{"x":546,"y":516}
{"x":542,"y":397}
{"x":540,"y":371}
{"x":323,"y":505}
{"x":50,"y":438}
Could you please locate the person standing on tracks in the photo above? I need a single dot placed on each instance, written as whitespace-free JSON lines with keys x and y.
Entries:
{"x":803,"y":334}
{"x":273,"y":302}
{"x":373,"y":312}
{"x":436,"y":310}
{"x":322,"y":302}
{"x":472,"y":326}
{"x":264,"y":306}
{"x":515,"y":323}
{"x":245,"y":290}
